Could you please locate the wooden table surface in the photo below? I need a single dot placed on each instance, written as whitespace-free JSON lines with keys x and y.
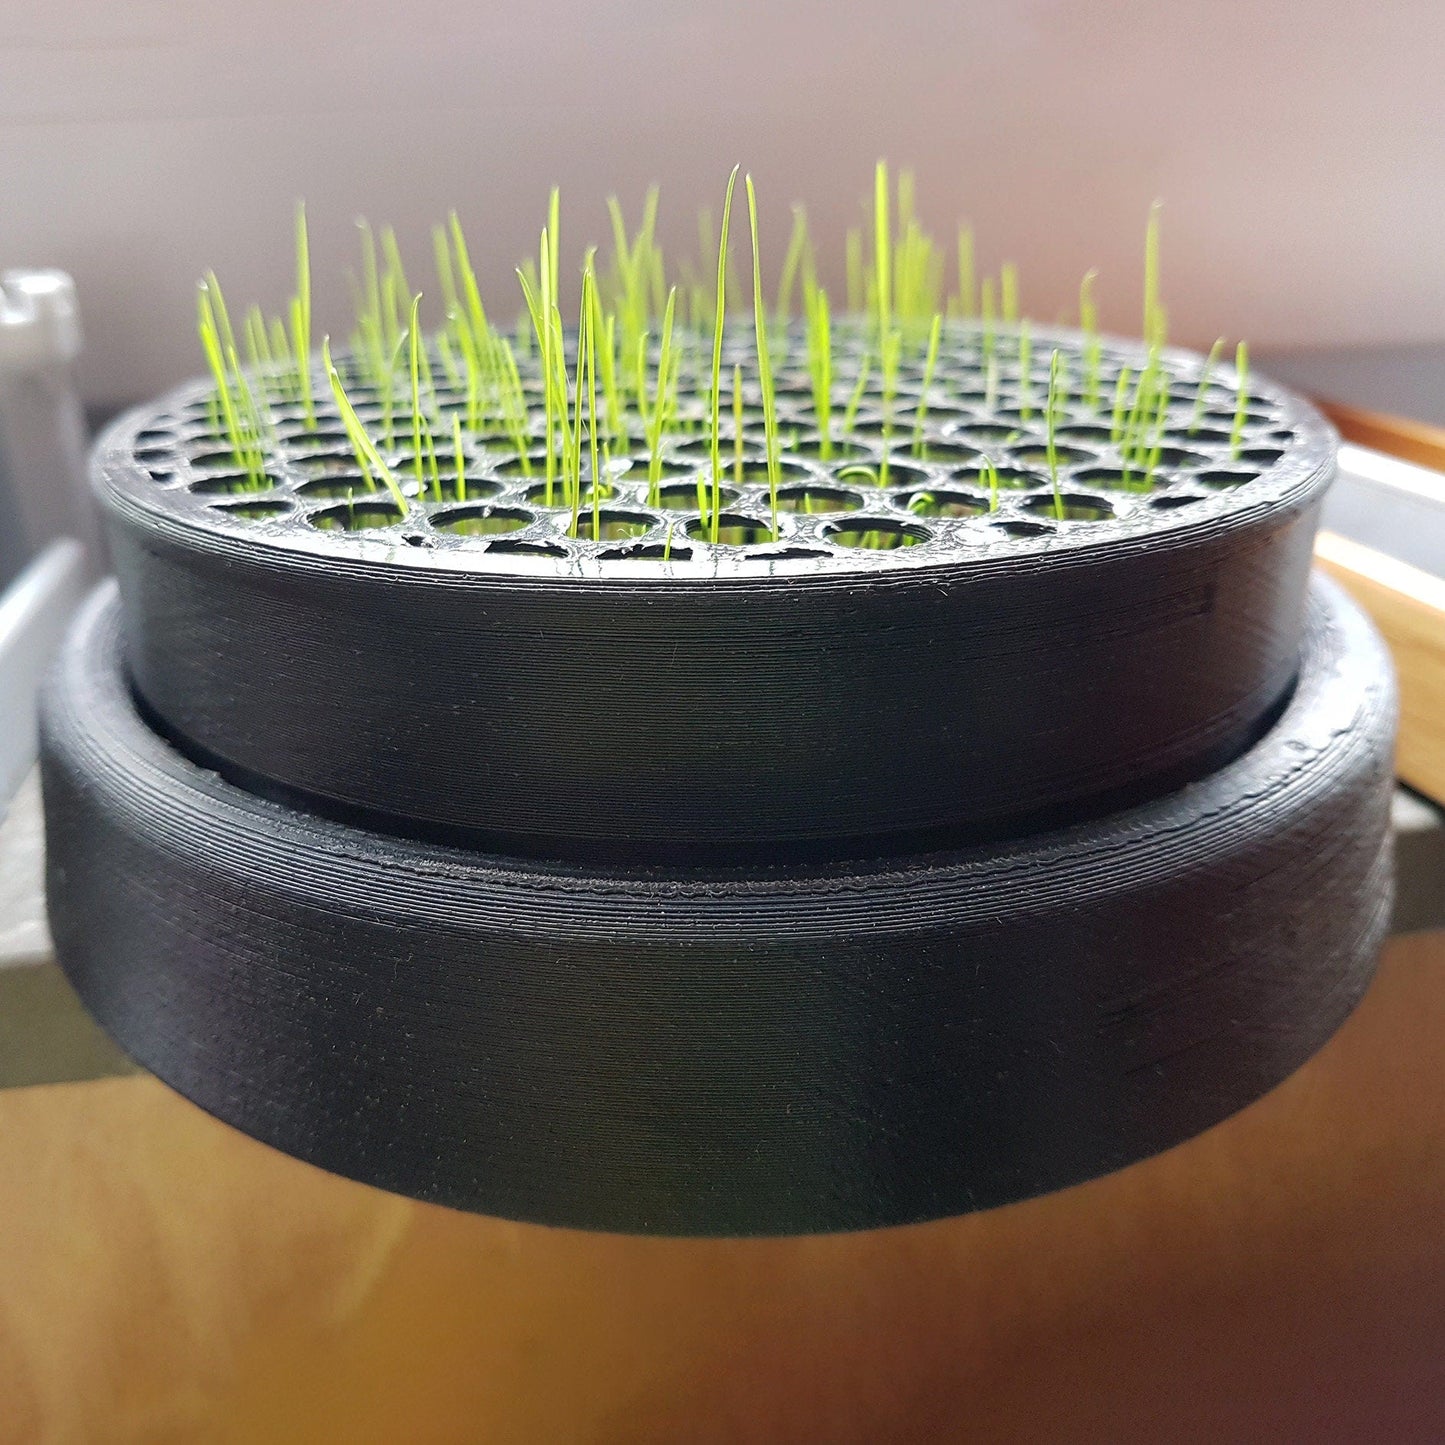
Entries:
{"x":1281,"y":1278}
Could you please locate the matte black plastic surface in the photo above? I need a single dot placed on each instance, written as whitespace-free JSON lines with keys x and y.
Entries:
{"x":740,"y":704}
{"x":706,"y":1051}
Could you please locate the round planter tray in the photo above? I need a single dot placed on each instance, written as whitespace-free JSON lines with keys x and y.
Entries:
{"x":720,"y":1051}
{"x":553,"y":697}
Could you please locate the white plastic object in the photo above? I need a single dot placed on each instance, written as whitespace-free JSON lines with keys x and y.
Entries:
{"x":42,"y":429}
{"x":39,"y":320}
{"x":34,"y":612}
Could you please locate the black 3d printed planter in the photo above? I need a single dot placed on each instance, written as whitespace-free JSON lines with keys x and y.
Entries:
{"x":468,"y":670}
{"x":710,"y":1051}
{"x":919,"y":783}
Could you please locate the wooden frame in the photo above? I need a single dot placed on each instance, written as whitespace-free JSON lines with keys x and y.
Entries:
{"x":1406,"y":603}
{"x":1408,"y":606}
{"x":1414,"y":441}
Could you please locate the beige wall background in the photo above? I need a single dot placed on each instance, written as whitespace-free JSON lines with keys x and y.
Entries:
{"x":1299,"y":147}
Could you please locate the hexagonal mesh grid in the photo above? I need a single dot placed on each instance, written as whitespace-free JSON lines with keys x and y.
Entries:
{"x":902,"y":484}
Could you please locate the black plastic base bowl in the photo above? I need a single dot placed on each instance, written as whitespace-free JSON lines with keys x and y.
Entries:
{"x":725,"y":1052}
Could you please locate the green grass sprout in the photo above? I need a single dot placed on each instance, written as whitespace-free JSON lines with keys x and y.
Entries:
{"x":554,"y":230}
{"x":459,"y":456}
{"x":301,"y":321}
{"x":1154,"y":325}
{"x":258,"y":354}
{"x":719,"y":317}
{"x":1008,"y":281}
{"x":738,"y":423}
{"x":235,"y":398}
{"x":1121,"y":400}
{"x":890,"y":338}
{"x":540,"y":306}
{"x":820,"y":366}
{"x":606,"y":331}
{"x":424,"y":460}
{"x":855,"y":397}
{"x":795,"y":260}
{"x":765,"y":368}
{"x":990,"y":472}
{"x":1156,"y":446}
{"x":1241,"y":399}
{"x":513,"y":403}
{"x":625,"y":400}
{"x":1052,"y":410}
{"x":967,"y":301}
{"x":1201,"y":396}
{"x":280,"y":345}
{"x":989,"y":318}
{"x":368,"y":459}
{"x":657,"y":418}
{"x":1093,"y":347}
{"x":930,"y":365}
{"x":882,"y":254}
{"x":242,"y":445}
{"x":1026,"y":375}
{"x":587,"y":350}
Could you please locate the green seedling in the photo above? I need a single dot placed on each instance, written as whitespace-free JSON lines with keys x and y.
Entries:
{"x":882,"y":256}
{"x":1093,"y":347}
{"x":990,"y":472}
{"x":765,"y":369}
{"x":917,"y":270}
{"x":820,"y":367}
{"x":890,"y":337}
{"x":369,"y":460}
{"x":1121,"y":401}
{"x":636,"y":273}
{"x":260,"y":357}
{"x":301,"y":321}
{"x":1201,"y":396}
{"x":424,"y":457}
{"x":1156,"y":448}
{"x":656,"y":421}
{"x":1241,"y":402}
{"x":242,"y":444}
{"x":235,"y":400}
{"x":1026,"y":375}
{"x":258,"y":340}
{"x":1052,"y":411}
{"x":606,"y":331}
{"x":460,"y":457}
{"x":850,"y":411}
{"x":554,"y":230}
{"x":1154,"y":323}
{"x":719,"y":316}
{"x":967,"y":300}
{"x":797,"y":259}
{"x":738,"y":424}
{"x":930,"y":365}
{"x":650,"y":344}
{"x":1008,"y":281}
{"x":513,"y":403}
{"x":554,"y":387}
{"x":587,"y":350}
